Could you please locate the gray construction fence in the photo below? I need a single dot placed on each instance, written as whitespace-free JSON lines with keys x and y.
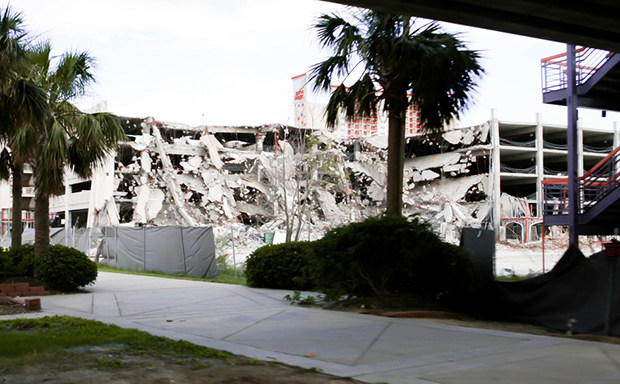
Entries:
{"x":173,"y":249}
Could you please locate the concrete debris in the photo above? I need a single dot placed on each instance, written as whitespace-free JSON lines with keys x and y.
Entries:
{"x":275,"y":178}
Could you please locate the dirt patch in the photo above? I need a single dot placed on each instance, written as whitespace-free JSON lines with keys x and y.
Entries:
{"x":8,"y":307}
{"x":105,"y":365}
{"x":388,"y":303}
{"x":420,"y":309}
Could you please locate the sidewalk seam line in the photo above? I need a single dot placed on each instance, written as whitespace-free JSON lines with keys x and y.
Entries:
{"x":118,"y":306}
{"x":249,"y":326}
{"x":610,"y":358}
{"x":372,"y":343}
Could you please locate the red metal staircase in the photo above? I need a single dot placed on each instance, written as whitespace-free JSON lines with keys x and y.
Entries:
{"x":599,"y":198}
{"x":597,"y":85}
{"x":598,"y":79}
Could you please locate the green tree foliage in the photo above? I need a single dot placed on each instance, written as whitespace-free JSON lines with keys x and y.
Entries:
{"x":73,"y":138}
{"x":278,"y":266}
{"x":389,"y":254}
{"x":17,"y":261}
{"x":66,"y":268}
{"x":394,"y":60}
{"x":6,"y":265}
{"x":21,"y":102}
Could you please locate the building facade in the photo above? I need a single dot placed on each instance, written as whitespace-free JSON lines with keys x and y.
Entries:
{"x":310,"y":113}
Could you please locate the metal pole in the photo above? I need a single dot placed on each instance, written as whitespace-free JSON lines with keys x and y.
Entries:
{"x":115,"y":246}
{"x":232,"y":239}
{"x":144,"y":248}
{"x":543,"y":248}
{"x":107,"y":243}
{"x":610,"y":292}
{"x":183,"y":251}
{"x":67,"y":221}
{"x":571,"y":137}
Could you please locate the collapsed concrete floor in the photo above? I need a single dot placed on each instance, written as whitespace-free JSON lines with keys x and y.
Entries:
{"x":280,"y":178}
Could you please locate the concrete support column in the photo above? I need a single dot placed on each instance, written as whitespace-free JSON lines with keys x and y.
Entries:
{"x":259,"y":142}
{"x":67,"y":213}
{"x":616,"y":142}
{"x":571,"y":138}
{"x":540,"y":165}
{"x":580,"y":167}
{"x":496,"y":192}
{"x":356,"y":151}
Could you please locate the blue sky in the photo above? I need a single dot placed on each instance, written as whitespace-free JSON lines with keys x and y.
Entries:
{"x":233,"y":60}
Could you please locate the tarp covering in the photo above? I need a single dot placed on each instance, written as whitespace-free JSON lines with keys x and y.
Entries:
{"x":57,"y":236}
{"x":173,"y":249}
{"x":584,"y":289}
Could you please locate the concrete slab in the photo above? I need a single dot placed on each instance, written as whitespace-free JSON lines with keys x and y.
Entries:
{"x":258,"y":323}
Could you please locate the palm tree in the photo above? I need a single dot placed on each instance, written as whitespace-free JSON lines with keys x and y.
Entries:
{"x":21,"y":102}
{"x":399,"y":66}
{"x":78,"y":140}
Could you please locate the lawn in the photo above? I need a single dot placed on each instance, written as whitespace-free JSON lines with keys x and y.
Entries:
{"x":227,"y":276}
{"x":64,"y":349}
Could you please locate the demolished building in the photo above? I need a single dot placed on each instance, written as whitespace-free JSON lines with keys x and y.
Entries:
{"x":282,"y":178}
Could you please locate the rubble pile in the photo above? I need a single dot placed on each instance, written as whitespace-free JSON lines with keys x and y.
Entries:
{"x":276,"y":178}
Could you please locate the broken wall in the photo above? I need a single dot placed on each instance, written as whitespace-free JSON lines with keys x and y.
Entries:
{"x":276,"y":177}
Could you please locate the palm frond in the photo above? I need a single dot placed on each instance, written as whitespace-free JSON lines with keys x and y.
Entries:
{"x":365,"y":94}
{"x":336,"y":100}
{"x":112,"y":129}
{"x":66,"y":113}
{"x":5,"y":164}
{"x":40,"y":59}
{"x":29,"y":103}
{"x":49,"y":173}
{"x":359,"y":100}
{"x":73,"y":75}
{"x":25,"y":142}
{"x":443,"y":79}
{"x":11,"y":44}
{"x":321,"y":74}
{"x":95,"y":136}
{"x":343,"y":39}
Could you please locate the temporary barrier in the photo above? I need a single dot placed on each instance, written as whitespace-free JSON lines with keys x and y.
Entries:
{"x":173,"y":249}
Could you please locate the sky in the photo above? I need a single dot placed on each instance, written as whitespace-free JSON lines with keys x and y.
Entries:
{"x":231,"y":62}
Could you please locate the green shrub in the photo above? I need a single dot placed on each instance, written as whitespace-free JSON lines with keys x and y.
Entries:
{"x":22,"y":258}
{"x":383,"y":255}
{"x":6,"y":265}
{"x":278,"y":266}
{"x":66,"y":268}
{"x":445,"y":273}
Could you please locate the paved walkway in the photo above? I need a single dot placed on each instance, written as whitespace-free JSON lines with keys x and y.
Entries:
{"x":257,"y":323}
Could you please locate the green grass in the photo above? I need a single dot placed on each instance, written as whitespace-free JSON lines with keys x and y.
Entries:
{"x":227,"y":276}
{"x":32,"y":341}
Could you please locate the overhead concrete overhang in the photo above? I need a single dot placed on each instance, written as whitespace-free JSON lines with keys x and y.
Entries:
{"x":591,"y":23}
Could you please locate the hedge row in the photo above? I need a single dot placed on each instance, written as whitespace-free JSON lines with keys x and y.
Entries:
{"x":378,"y":256}
{"x":62,"y":267}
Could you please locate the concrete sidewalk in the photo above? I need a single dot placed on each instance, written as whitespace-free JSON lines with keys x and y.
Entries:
{"x":258,"y":323}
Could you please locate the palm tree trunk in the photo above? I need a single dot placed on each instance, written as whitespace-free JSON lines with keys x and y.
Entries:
{"x":16,"y":218}
{"x":396,"y":156}
{"x":41,"y":224}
